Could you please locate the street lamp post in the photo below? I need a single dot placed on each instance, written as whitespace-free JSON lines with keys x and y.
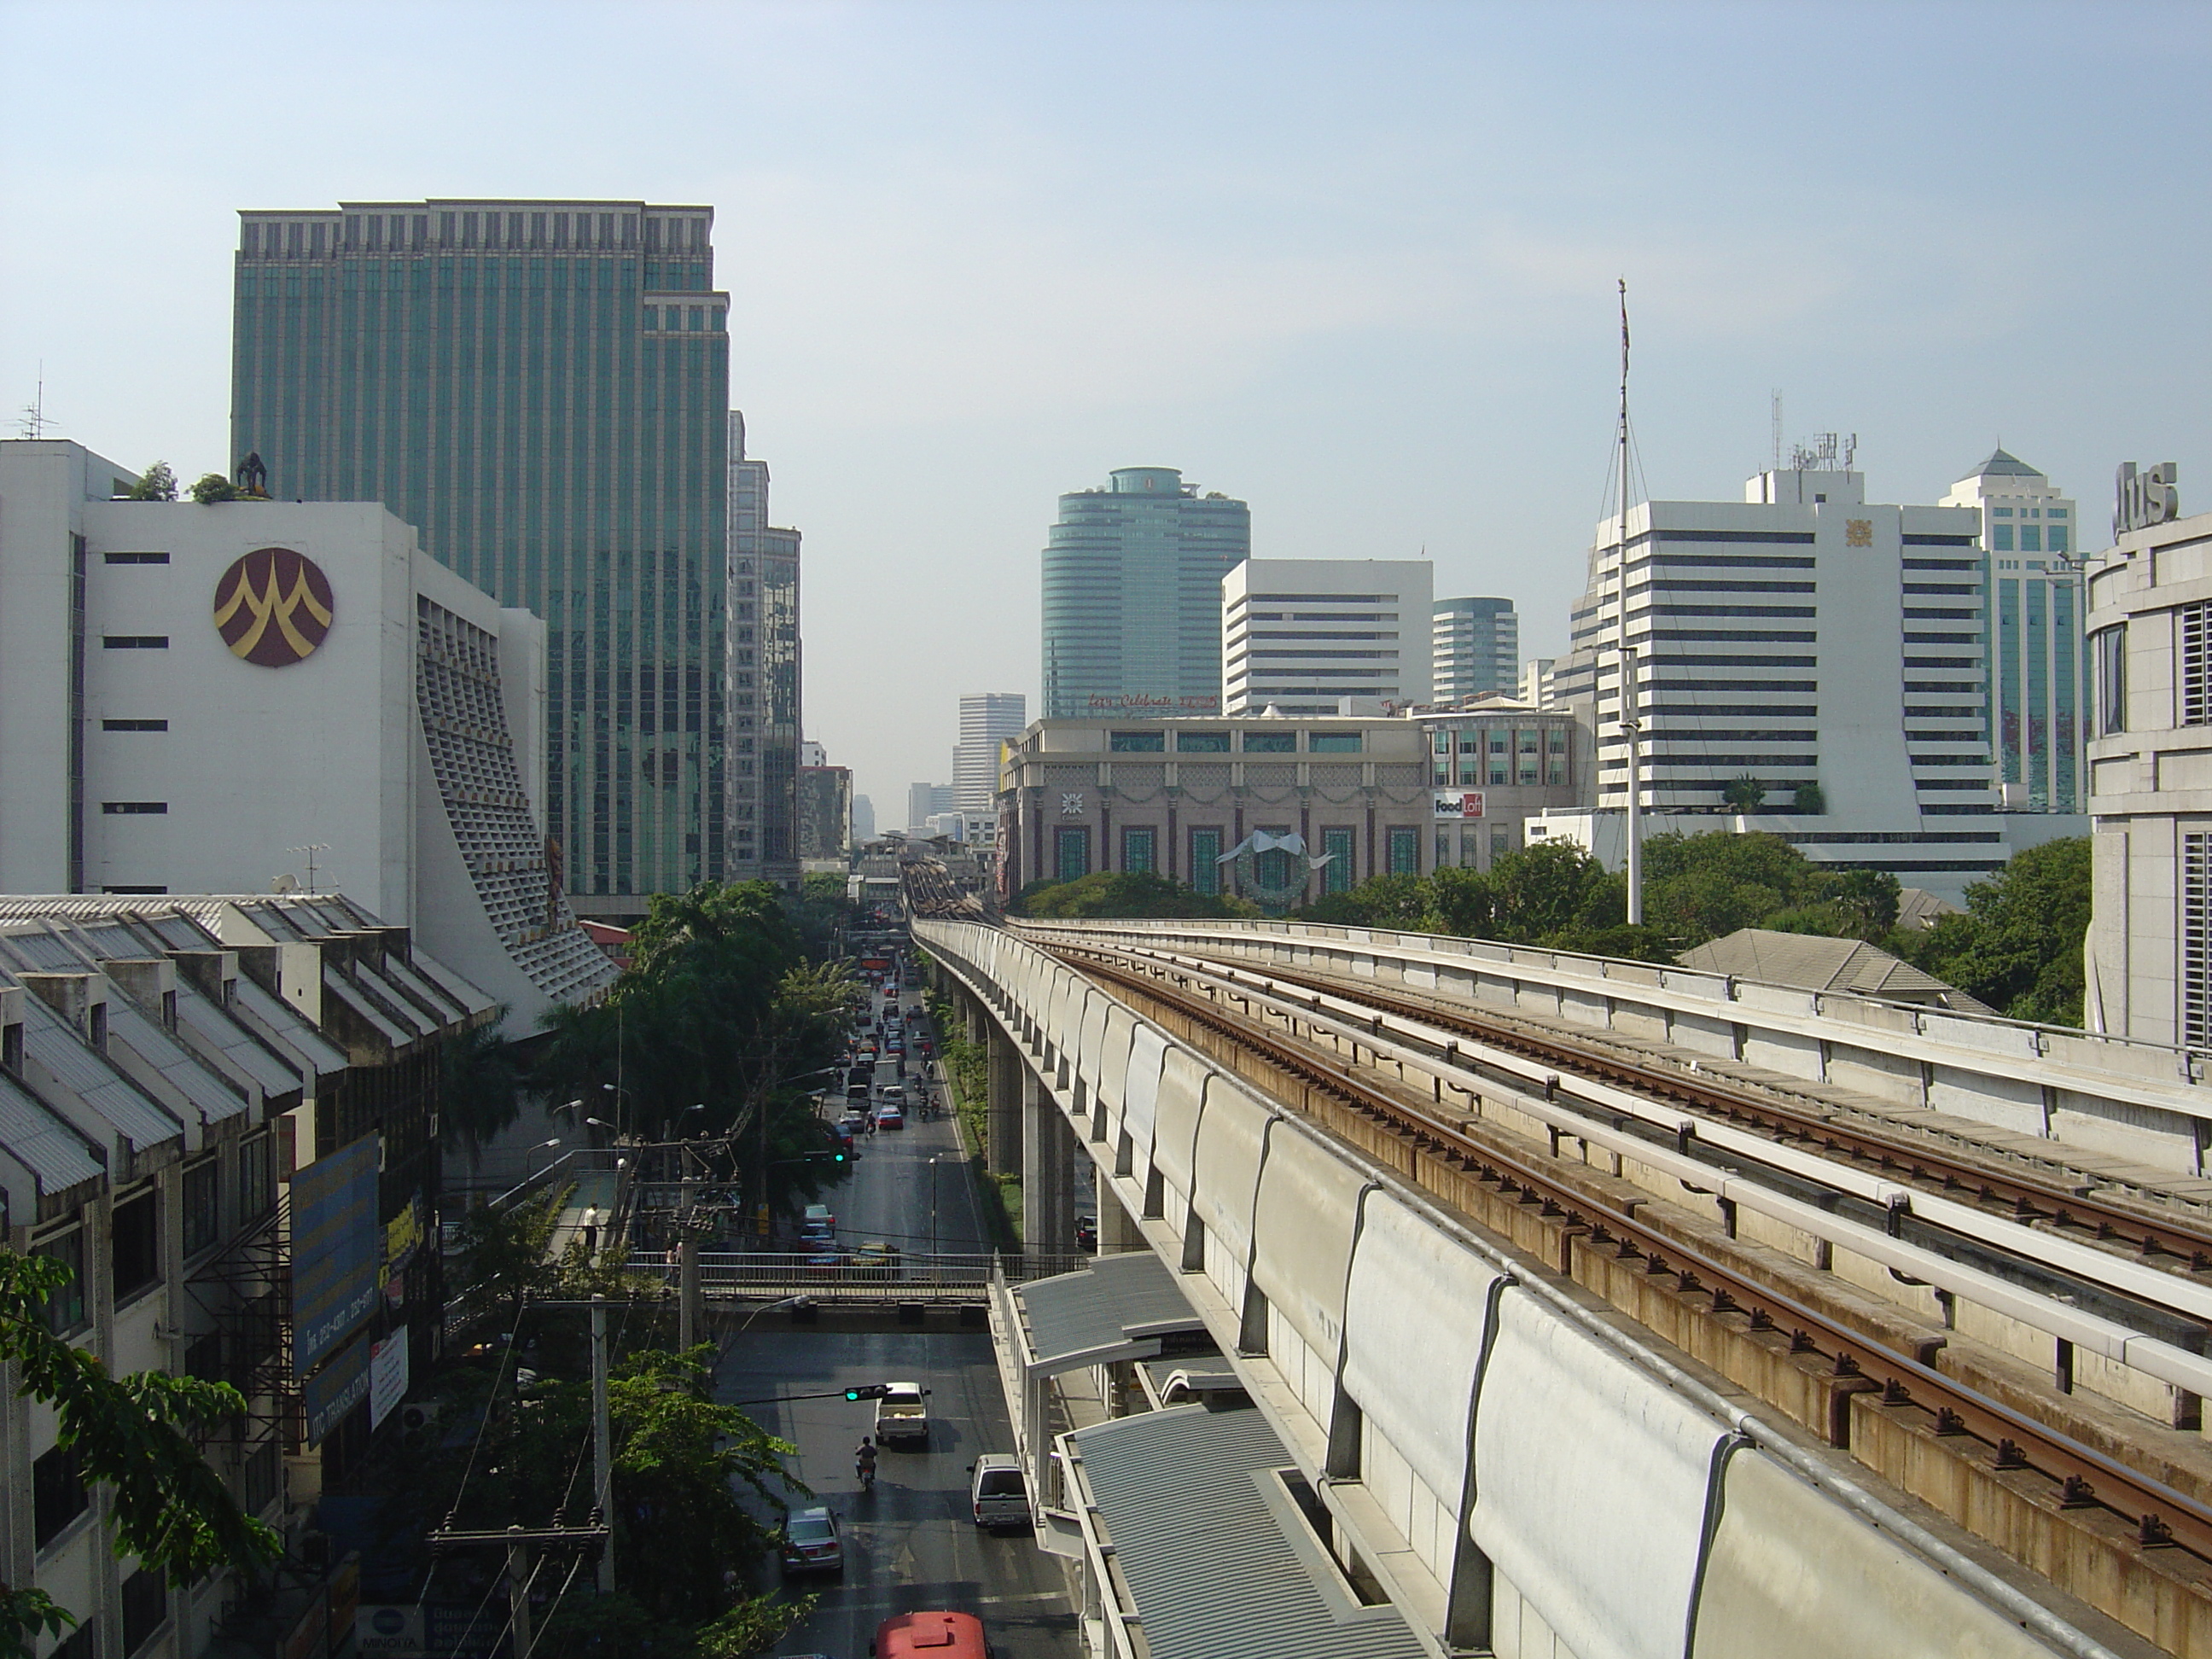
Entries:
{"x":528,"y":1173}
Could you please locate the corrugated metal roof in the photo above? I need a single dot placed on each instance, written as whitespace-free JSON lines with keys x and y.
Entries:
{"x":335,"y":986}
{"x":1209,"y":1563}
{"x":42,"y":1143}
{"x":456,"y":989}
{"x":38,"y":950}
{"x":271,"y":1073}
{"x":210,"y":1095}
{"x":1072,"y":1315}
{"x":54,"y":1044}
{"x":1814,"y":962}
{"x":288,"y":1025}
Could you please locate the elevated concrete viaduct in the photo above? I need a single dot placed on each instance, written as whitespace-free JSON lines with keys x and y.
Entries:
{"x":1521,"y":1468}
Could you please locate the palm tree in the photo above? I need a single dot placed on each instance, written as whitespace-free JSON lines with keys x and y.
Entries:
{"x":478,"y":1082}
{"x":1743,"y":792}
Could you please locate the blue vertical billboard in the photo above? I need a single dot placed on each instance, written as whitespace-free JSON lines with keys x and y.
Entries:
{"x":337,"y":1246}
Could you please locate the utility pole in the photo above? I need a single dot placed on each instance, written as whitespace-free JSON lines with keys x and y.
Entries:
{"x":518,"y":1590}
{"x":687,"y":1268}
{"x":1631,"y":720}
{"x":603,"y":1490}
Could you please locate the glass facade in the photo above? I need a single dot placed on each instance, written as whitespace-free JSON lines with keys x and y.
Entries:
{"x":541,"y":388}
{"x":1132,"y":597}
{"x":1204,"y":848}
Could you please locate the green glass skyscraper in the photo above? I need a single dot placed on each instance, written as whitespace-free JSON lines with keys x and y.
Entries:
{"x":1132,"y":597}
{"x":542,"y":388}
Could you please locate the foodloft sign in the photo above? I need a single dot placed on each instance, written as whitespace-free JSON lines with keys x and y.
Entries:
{"x":2142,"y":499}
{"x":1459,"y":803}
{"x":274,"y":607}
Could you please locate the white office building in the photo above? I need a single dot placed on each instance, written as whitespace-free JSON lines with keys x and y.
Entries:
{"x":1825,"y":648}
{"x":2149,"y":953}
{"x":1322,"y":636}
{"x":2037,"y":674}
{"x":1539,"y":682}
{"x":261,"y":696}
{"x":987,"y":720}
{"x":1474,"y":648}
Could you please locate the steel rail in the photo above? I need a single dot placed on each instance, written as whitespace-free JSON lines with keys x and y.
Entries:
{"x":2026,"y":1199}
{"x":2133,"y":1277}
{"x":2086,"y":1478}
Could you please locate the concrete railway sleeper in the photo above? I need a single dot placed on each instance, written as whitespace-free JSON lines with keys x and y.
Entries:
{"x":1707,"y":1143}
{"x":1957,"y":1417}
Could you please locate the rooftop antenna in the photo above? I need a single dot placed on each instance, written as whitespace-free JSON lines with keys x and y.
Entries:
{"x":1629,"y":720}
{"x":311,"y":849}
{"x":1777,"y":401}
{"x":34,"y":422}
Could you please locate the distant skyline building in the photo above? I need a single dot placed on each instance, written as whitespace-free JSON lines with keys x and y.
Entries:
{"x":1476,"y":648}
{"x":825,"y":811}
{"x":764,"y":810}
{"x":1132,"y":597}
{"x":1825,"y":648}
{"x":1539,"y":683}
{"x":2037,"y":672}
{"x":1304,"y":635}
{"x":987,"y":721}
{"x":542,"y":388}
{"x":924,"y":801}
{"x":864,"y":819}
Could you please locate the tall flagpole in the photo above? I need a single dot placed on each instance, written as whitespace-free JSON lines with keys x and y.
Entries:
{"x":1630,"y":720}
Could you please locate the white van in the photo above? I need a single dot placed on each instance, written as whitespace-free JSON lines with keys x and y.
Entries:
{"x":998,"y":1494}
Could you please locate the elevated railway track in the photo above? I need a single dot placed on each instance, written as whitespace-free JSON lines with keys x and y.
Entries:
{"x":1562,"y":1143}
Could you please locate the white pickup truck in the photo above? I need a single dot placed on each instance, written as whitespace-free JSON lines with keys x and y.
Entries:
{"x":902,"y":1413}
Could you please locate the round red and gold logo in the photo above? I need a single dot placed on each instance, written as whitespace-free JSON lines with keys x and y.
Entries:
{"x":273,"y":607}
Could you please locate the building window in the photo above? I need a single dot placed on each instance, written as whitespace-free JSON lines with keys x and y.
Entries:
{"x":2110,"y":647}
{"x":1443,"y":743}
{"x":133,"y":726}
{"x":1271,"y":743}
{"x":2055,"y":539}
{"x":145,"y":1608}
{"x":136,"y":558}
{"x":1138,"y":851}
{"x":1201,"y":743}
{"x":2189,"y":624}
{"x":1470,"y":773}
{"x":256,"y":1185}
{"x":1332,"y":742}
{"x":202,"y":1193}
{"x":65,"y":1310}
{"x":57,"y":1496}
{"x":134,"y":641}
{"x":135,"y":1237}
{"x":2196,"y":940}
{"x":1204,"y":850}
{"x":1336,"y":875}
{"x":2031,"y":538}
{"x":1071,"y":854}
{"x":1405,"y":850}
{"x":135,"y":808}
{"x":2001,"y":539}
{"x":1138,"y":743}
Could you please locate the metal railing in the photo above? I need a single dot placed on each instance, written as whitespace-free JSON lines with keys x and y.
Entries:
{"x":748,"y":1274}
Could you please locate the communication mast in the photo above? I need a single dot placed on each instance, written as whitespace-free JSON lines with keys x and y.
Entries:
{"x":1630,"y":720}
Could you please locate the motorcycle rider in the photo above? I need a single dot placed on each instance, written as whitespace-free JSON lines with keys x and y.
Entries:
{"x":864,"y":1461}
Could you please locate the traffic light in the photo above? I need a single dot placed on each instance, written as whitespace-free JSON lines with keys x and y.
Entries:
{"x":866,"y":1391}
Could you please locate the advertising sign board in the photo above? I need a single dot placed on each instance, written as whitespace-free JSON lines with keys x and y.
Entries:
{"x":1459,"y":803}
{"x":387,"y":1377}
{"x":336,"y":1389}
{"x":336,"y":1248}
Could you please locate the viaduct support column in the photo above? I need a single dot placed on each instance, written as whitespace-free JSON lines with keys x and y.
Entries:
{"x":1002,"y":1151}
{"x":1048,"y":1172}
{"x":1116,"y":1232}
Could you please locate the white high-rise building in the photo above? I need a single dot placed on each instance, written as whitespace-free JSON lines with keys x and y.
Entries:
{"x":1315,"y":636}
{"x":1538,"y":684}
{"x":1824,"y":648}
{"x":1475,"y":648}
{"x":2035,"y":615}
{"x":987,"y":720}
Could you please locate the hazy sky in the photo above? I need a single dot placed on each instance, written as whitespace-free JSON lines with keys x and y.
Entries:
{"x":1351,"y":262}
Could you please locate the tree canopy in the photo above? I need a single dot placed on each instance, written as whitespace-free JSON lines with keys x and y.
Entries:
{"x":1125,"y":893}
{"x":172,"y":1510}
{"x":158,"y":483}
{"x":2018,"y":946}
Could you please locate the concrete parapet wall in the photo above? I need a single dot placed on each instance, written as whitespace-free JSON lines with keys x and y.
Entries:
{"x":1366,"y":1321}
